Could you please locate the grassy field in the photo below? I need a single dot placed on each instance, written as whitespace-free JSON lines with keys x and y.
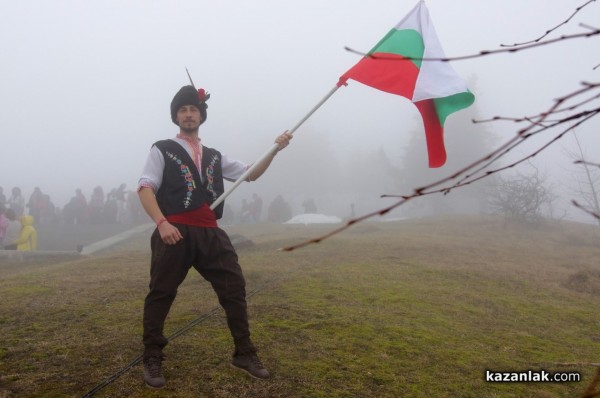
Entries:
{"x":416,"y":308}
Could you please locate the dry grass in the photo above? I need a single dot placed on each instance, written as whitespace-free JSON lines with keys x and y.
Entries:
{"x":417,"y":308}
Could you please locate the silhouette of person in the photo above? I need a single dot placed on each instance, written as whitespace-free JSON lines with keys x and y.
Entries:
{"x":279,"y":210}
{"x":16,"y":201}
{"x":13,"y":230}
{"x":36,"y":203}
{"x":4,"y":222}
{"x":96,"y":205}
{"x":309,"y":206}
{"x":256,"y":208}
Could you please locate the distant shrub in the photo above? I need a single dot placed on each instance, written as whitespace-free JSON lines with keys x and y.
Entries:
{"x":584,"y":282}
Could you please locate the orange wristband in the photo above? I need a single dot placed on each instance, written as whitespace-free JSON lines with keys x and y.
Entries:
{"x":162,"y":220}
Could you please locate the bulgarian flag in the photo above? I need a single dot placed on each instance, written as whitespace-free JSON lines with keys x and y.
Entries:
{"x":433,"y":86}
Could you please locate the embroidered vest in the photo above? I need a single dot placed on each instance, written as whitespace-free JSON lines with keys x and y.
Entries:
{"x":182,"y":189}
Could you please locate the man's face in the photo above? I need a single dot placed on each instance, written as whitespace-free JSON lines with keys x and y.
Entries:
{"x":189,"y":118}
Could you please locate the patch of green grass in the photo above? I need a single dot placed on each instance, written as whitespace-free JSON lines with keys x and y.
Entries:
{"x":416,"y":309}
{"x":24,"y":290}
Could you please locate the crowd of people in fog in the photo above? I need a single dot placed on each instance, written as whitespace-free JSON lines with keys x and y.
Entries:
{"x":19,"y":216}
{"x":117,"y":206}
{"x":251,"y":211}
{"x":278,"y":211}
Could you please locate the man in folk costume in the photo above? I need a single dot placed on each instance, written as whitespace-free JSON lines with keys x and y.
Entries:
{"x":179,"y":182}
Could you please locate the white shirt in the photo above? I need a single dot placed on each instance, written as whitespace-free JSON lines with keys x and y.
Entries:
{"x":152,"y":173}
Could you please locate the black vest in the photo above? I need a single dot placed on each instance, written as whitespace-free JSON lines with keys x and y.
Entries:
{"x":182,"y":189}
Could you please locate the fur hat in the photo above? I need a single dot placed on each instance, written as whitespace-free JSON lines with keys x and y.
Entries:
{"x":188,"y":95}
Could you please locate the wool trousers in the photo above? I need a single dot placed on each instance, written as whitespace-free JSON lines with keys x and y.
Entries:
{"x":210,"y":252}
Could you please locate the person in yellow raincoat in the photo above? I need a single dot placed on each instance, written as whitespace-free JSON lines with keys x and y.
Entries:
{"x":27,"y":240}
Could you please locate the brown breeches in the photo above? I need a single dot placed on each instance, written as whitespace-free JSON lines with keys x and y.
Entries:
{"x":210,"y":252}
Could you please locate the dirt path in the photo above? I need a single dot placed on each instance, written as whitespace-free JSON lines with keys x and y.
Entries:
{"x":67,"y":237}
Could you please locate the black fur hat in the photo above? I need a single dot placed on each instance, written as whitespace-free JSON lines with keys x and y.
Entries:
{"x":188,"y":95}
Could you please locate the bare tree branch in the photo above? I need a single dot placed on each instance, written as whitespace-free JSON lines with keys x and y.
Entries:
{"x":550,"y":30}
{"x":588,"y":163}
{"x":590,"y":212}
{"x":595,"y":32}
{"x":588,"y":189}
{"x":480,"y":169}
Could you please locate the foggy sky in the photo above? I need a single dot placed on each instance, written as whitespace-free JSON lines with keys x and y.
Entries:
{"x":85,"y":86}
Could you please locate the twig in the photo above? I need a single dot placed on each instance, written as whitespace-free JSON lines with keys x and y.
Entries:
{"x":550,"y":30}
{"x":479,"y":169}
{"x":471,"y":173}
{"x":481,"y":53}
{"x":590,"y":212}
{"x":585,"y":162}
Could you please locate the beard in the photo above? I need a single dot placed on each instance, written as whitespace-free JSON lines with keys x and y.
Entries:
{"x":189,"y":127}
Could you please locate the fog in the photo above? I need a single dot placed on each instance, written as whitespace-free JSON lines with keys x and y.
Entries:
{"x":85,"y":89}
